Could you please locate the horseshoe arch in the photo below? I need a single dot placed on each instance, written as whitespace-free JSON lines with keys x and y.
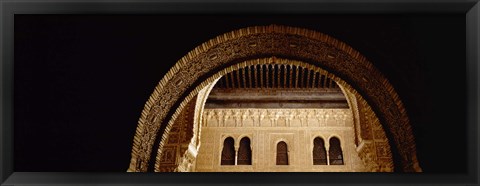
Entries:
{"x":190,"y":73}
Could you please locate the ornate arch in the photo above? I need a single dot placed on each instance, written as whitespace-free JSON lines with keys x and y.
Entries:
{"x":190,"y":75}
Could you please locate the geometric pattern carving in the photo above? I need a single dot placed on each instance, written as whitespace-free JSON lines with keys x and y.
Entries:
{"x":179,"y":137}
{"x":234,"y":50}
{"x":191,"y":142}
{"x":169,"y":155}
{"x":370,"y":131}
{"x":382,"y":149}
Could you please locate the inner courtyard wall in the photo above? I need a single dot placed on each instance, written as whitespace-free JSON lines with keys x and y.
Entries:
{"x":266,"y":127}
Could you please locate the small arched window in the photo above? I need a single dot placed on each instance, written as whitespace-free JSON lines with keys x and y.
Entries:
{"x":228,"y":152}
{"x":244,"y":152}
{"x":335,"y":152}
{"x":319,"y":152}
{"x":282,"y":153}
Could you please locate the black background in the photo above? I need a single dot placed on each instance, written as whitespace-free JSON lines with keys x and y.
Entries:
{"x":81,"y":81}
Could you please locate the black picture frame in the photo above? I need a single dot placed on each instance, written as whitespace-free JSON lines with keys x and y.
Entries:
{"x":8,"y":8}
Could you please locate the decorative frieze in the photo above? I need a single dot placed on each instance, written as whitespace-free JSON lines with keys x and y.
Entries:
{"x":276,"y":117}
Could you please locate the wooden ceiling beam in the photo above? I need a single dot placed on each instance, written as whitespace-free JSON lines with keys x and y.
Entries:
{"x":277,"y":105}
{"x":276,"y":94}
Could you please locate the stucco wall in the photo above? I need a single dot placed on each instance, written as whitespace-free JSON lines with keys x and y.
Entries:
{"x":266,"y":127}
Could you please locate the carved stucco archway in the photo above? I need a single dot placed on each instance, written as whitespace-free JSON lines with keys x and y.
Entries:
{"x":370,"y":139}
{"x":189,"y":76}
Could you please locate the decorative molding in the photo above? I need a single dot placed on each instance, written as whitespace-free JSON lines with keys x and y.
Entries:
{"x":304,"y":116}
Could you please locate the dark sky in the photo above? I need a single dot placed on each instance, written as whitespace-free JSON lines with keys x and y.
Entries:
{"x":81,"y":81}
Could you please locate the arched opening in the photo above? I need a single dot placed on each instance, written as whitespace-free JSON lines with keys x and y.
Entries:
{"x":228,"y":152}
{"x":275,"y":111}
{"x":225,"y":53}
{"x":244,"y":152}
{"x":319,"y":152}
{"x":232,"y":119}
{"x":335,"y":153}
{"x":282,"y":153}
